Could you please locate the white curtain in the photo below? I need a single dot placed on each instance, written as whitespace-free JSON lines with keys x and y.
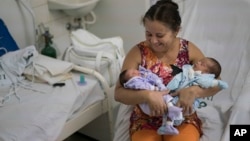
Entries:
{"x":221,"y":29}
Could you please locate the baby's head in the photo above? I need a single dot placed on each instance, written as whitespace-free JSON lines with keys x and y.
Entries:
{"x":127,"y":74}
{"x":208,"y":65}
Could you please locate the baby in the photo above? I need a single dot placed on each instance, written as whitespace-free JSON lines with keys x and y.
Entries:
{"x":202,"y":73}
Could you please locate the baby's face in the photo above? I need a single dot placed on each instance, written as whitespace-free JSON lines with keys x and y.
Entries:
{"x":131,"y":73}
{"x":202,"y":65}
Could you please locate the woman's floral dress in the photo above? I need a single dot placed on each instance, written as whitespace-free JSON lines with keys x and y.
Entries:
{"x":138,"y":119}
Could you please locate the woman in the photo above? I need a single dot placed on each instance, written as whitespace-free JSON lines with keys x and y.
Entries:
{"x":161,"y":49}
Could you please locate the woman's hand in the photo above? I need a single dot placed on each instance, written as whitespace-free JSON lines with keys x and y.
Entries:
{"x":156,"y":102}
{"x":186,"y":98}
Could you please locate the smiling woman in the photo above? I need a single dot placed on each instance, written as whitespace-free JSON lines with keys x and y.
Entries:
{"x":227,"y":39}
{"x":161,"y":49}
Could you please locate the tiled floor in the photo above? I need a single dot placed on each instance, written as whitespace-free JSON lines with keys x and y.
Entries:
{"x":79,"y":137}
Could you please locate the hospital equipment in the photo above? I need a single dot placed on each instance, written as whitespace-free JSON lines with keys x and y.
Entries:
{"x":53,"y":110}
{"x":76,"y":8}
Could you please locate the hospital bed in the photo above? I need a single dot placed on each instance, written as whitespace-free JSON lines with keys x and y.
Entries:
{"x":218,"y":30}
{"x":39,"y":111}
{"x":36,"y":111}
{"x":48,"y":99}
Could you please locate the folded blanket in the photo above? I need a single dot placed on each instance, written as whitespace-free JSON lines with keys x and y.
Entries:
{"x":47,"y":69}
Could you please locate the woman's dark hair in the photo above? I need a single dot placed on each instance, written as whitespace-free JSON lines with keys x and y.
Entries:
{"x":165,"y":11}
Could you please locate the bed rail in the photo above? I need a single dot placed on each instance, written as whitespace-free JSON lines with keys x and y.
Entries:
{"x":107,"y":92}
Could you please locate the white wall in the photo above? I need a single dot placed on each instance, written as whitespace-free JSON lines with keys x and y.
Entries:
{"x":120,"y":17}
{"x":114,"y":18}
{"x":123,"y":18}
{"x":19,"y":20}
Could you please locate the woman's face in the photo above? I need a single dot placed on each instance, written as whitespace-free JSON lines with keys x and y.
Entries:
{"x":159,"y":37}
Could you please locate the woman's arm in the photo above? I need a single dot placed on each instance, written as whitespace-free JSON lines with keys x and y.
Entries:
{"x":129,"y":96}
{"x":188,"y":95}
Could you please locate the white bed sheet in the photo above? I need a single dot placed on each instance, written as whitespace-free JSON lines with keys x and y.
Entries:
{"x":92,"y":92}
{"x":41,"y":116}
